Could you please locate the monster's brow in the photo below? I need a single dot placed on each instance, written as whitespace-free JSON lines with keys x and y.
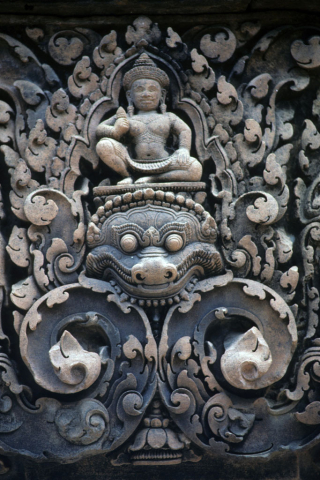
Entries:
{"x":126,"y":228}
{"x":174,"y":226}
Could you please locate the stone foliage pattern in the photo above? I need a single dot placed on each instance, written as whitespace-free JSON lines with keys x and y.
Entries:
{"x":160,"y":239}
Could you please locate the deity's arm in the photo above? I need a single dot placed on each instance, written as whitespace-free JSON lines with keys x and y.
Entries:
{"x":115,"y":126}
{"x":106,"y":128}
{"x":181,"y":130}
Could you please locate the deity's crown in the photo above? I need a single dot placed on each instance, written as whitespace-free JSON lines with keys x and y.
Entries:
{"x":144,"y":67}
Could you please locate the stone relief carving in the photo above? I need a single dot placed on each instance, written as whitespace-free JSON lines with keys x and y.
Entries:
{"x":148,"y":131}
{"x":147,"y":218}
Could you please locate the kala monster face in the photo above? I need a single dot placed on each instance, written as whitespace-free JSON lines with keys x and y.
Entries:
{"x":150,"y":250}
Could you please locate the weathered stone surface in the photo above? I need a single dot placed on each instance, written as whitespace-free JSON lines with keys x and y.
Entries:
{"x":162,"y":7}
{"x":159,"y":248}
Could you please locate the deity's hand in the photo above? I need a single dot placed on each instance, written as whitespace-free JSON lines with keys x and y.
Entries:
{"x":122,"y":123}
{"x":183,"y":156}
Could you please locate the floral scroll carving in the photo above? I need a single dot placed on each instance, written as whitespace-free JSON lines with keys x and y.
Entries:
{"x":164,"y":303}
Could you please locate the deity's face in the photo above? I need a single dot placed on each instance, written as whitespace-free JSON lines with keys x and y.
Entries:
{"x":146,"y":94}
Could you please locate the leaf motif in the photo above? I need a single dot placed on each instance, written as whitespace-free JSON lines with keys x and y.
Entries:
{"x":250,"y":29}
{"x":304,"y":162}
{"x":35,"y":34}
{"x":273,"y":173}
{"x":284,"y":246}
{"x":83,"y":423}
{"x":252,"y":131}
{"x":106,"y":52}
{"x":226,"y":92}
{"x":21,"y":50}
{"x":254,"y":289}
{"x":9,"y":375}
{"x":249,"y":146}
{"x":226,"y":108}
{"x":310,"y":136}
{"x":57,"y":296}
{"x":307,"y":55}
{"x":50,"y":75}
{"x":265,"y":42}
{"x":280,"y":307}
{"x":264,"y":210}
{"x":79,"y":233}
{"x":25,"y":293}
{"x":143,"y":29}
{"x":83,"y":81}
{"x":63,"y":50}
{"x":18,"y":247}
{"x":290,"y":279}
{"x":38,"y":270}
{"x":316,"y":105}
{"x":6,"y":123}
{"x":199,"y":62}
{"x":40,"y":211}
{"x":268,"y":267}
{"x":313,"y":310}
{"x":132,"y":404}
{"x":284,"y":117}
{"x":22,"y":185}
{"x":132,"y":346}
{"x":311,"y":415}
{"x":173,"y":39}
{"x":60,"y":112}
{"x":259,"y":86}
{"x":57,"y":247}
{"x":240,"y":65}
{"x":181,"y":352}
{"x":5,"y":111}
{"x":41,"y":148}
{"x":17,"y":320}
{"x":247,"y":243}
{"x":30,"y":92}
{"x":202,"y":82}
{"x":221,"y":48}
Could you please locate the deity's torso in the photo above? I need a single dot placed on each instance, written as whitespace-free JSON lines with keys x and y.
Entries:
{"x":150,"y":133}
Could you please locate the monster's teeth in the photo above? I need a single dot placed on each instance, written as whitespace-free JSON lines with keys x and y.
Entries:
{"x":141,"y":303}
{"x":133,"y":300}
{"x":184,"y":295}
{"x":124,"y":297}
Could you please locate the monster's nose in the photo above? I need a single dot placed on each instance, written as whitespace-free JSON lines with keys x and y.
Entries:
{"x":154,"y":271}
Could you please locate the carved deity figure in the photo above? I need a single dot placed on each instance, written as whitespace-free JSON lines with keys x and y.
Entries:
{"x":148,"y":131}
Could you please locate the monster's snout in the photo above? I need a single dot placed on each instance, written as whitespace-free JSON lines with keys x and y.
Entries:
{"x":154,"y":270}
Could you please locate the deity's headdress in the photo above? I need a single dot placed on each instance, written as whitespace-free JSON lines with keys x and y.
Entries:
{"x":144,"y":67}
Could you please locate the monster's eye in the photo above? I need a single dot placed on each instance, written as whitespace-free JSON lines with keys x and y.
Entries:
{"x":129,"y":243}
{"x":174,"y":242}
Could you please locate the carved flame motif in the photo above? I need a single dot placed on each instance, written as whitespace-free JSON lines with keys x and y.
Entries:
{"x":74,"y":365}
{"x":246,"y":359}
{"x":84,"y":423}
{"x":225,"y":420}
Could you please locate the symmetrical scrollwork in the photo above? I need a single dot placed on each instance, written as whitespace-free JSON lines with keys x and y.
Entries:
{"x":225,"y":347}
{"x":149,"y":259}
